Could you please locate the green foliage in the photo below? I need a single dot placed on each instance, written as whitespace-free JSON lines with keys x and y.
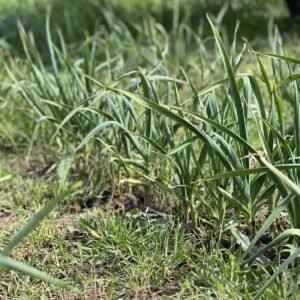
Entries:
{"x":176,"y":113}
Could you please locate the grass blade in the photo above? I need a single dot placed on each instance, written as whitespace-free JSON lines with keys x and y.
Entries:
{"x":9,"y":263}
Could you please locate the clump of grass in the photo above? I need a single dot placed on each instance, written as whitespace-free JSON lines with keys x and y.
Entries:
{"x":143,"y":253}
{"x":152,"y":254}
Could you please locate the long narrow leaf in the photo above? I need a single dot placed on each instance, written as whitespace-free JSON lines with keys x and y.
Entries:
{"x":9,"y":263}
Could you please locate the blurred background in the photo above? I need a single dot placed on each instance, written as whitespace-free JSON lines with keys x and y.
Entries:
{"x":77,"y":18}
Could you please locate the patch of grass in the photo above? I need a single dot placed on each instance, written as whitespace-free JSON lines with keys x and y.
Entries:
{"x":54,"y":249}
{"x":140,"y":255}
{"x":149,"y":254}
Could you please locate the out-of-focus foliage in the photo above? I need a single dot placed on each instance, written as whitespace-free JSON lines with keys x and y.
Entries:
{"x":76,"y":18}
